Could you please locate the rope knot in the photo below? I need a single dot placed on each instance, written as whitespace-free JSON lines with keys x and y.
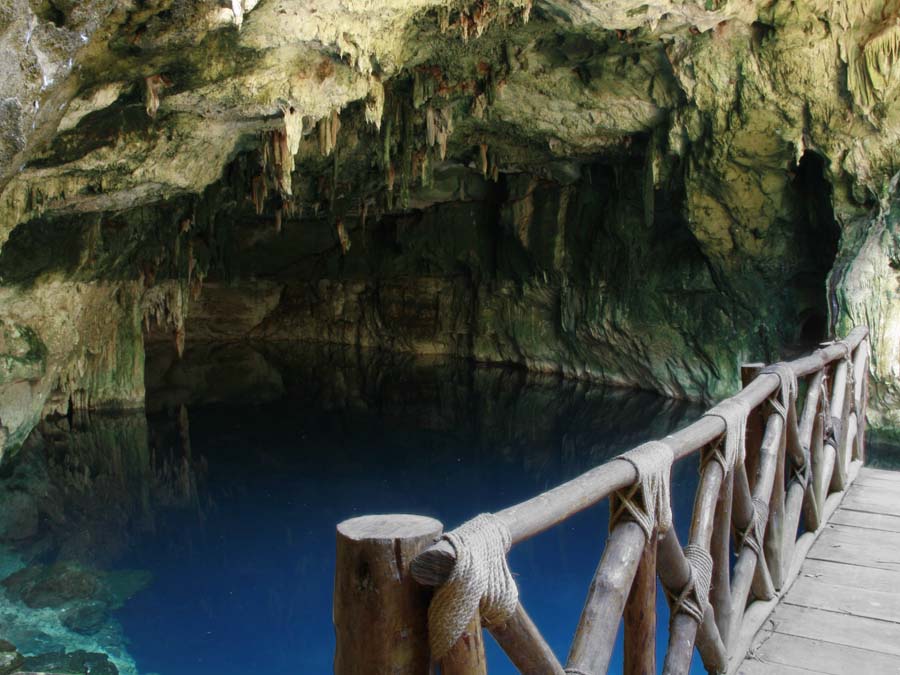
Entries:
{"x":789,"y":388}
{"x":752,"y":535}
{"x":694,"y":597}
{"x":480,"y":580}
{"x":734,"y":413}
{"x":647,"y":501}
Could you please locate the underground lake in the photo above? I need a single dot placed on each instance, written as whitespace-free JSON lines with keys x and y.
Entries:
{"x":199,"y":539}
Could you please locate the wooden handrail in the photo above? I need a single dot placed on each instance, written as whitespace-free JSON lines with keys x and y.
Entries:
{"x":540,"y":513}
{"x":797,"y":463}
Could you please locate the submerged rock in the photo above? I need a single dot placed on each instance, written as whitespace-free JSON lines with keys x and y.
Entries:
{"x":53,"y":586}
{"x":10,"y":659}
{"x":71,"y":663}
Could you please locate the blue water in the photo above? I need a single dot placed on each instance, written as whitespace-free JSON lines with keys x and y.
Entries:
{"x":240,"y":538}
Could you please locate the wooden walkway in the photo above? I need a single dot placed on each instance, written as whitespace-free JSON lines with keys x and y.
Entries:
{"x":842,"y":614}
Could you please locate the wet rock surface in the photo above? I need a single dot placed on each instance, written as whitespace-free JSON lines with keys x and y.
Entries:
{"x":641,"y":193}
{"x":72,"y":662}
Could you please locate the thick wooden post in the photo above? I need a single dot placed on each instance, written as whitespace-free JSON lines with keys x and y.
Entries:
{"x":380,"y":612}
{"x":640,"y":616}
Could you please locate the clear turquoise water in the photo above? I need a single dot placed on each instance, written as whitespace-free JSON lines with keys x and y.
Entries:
{"x":236,"y":526}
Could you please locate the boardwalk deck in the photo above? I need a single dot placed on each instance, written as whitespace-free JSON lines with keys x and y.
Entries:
{"x":842,"y":614}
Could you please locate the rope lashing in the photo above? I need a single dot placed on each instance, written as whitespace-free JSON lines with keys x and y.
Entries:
{"x":788,"y":391}
{"x":851,"y":376}
{"x":714,"y":454}
{"x":653,"y":463}
{"x":694,"y":597}
{"x":480,"y":580}
{"x":734,"y":413}
{"x":752,"y":535}
{"x":788,"y":396}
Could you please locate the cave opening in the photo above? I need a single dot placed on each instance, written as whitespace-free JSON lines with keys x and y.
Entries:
{"x":818,"y":238}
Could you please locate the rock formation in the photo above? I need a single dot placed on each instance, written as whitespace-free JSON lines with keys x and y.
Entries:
{"x":646,"y":193}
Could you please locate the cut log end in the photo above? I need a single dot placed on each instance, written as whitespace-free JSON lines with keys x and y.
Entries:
{"x":389,"y":527}
{"x":433,"y":566}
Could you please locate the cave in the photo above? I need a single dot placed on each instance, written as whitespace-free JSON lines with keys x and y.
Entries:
{"x":270,"y":265}
{"x":820,"y":237}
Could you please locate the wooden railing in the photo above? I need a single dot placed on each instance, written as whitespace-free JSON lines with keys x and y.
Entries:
{"x":797,"y":463}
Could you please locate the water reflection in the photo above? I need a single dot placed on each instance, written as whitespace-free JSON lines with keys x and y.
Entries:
{"x":203,"y":534}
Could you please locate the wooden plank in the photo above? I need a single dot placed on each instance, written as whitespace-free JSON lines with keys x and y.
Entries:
{"x":840,"y":629}
{"x":874,"y":500}
{"x":879,"y":481}
{"x":864,"y":519}
{"x":776,"y":650}
{"x":858,"y":547}
{"x":853,"y":576}
{"x":886,"y":491}
{"x":751,"y":667}
{"x":883,"y":474}
{"x":818,"y":593}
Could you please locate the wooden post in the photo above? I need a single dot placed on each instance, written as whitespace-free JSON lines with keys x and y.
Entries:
{"x":595,"y":636}
{"x":755,"y":424}
{"x":466,"y":657}
{"x":774,"y":538}
{"x":720,"y":549}
{"x":380,"y":612}
{"x":525,"y":646}
{"x":640,"y":616}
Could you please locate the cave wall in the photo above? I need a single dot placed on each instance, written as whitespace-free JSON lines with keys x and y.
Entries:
{"x":644,"y":193}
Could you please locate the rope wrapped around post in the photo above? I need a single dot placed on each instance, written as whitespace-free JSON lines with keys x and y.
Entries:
{"x":788,"y":396}
{"x":693,"y":599}
{"x":788,"y":391}
{"x":734,"y":412}
{"x":848,"y":359}
{"x":480,"y":580}
{"x":752,"y":535}
{"x":653,"y":463}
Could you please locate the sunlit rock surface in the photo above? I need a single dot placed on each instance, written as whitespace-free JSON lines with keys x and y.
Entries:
{"x":643,"y":193}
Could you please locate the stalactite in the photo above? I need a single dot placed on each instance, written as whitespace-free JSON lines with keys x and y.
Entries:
{"x":375,"y":102}
{"x":479,"y":106}
{"x":258,"y":192}
{"x":328,"y":128}
{"x":179,"y":340}
{"x":343,"y":237}
{"x":429,"y":127}
{"x":278,"y":154}
{"x":278,"y":221}
{"x":482,"y":153}
{"x":152,"y":87}
{"x":870,"y":68}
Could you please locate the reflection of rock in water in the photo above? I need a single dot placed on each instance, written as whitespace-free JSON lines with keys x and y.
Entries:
{"x":75,"y":498}
{"x":83,"y":492}
{"x":526,"y":415}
